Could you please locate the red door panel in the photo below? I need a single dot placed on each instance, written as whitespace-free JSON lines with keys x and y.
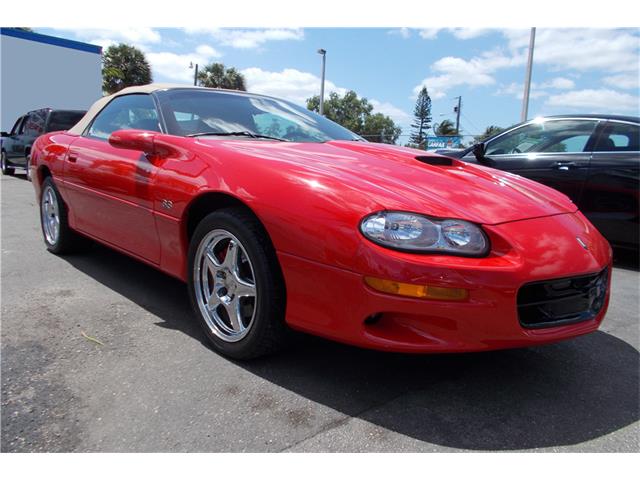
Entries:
{"x":110,"y":193}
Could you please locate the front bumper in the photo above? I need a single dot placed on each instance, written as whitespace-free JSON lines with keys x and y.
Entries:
{"x":336,"y":303}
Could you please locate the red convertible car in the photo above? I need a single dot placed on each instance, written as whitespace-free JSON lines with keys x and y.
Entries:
{"x":278,"y":218}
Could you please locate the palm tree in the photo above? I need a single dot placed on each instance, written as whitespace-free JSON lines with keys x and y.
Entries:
{"x":215,"y":75}
{"x":446,"y":128}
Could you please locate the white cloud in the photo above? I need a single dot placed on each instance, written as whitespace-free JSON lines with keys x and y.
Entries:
{"x":404,"y":32}
{"x":600,"y":100}
{"x":136,"y":35}
{"x":568,"y":50}
{"x":469,"y":33}
{"x":559,"y":83}
{"x":175,"y":67}
{"x":580,"y":49}
{"x":247,"y":38}
{"x":626,"y":80}
{"x":454,"y":71}
{"x":517,"y":90}
{"x":461,"y":33}
{"x":538,"y":90}
{"x":399,"y":116}
{"x":429,"y":33}
{"x":290,"y":84}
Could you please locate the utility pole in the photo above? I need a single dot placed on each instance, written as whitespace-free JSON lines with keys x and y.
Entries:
{"x":457,"y":110}
{"x":322,"y":52}
{"x":195,"y":75}
{"x":527,"y":80}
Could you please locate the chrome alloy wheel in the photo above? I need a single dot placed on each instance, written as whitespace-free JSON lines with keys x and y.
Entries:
{"x":50,"y":215}
{"x":225,"y":286}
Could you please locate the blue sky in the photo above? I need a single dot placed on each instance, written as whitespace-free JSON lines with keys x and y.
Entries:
{"x":575,"y":70}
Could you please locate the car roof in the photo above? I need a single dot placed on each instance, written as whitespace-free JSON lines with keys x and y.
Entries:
{"x":603,"y":116}
{"x":81,"y":126}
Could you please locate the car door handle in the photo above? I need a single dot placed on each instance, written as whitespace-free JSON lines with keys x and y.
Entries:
{"x":564,"y":165}
{"x":72,"y":158}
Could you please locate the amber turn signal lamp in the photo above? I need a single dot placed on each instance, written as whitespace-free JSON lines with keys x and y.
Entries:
{"x":416,"y":291}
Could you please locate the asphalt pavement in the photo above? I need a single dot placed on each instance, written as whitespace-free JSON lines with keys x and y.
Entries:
{"x":101,"y":353}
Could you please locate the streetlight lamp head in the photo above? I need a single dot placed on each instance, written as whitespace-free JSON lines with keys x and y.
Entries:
{"x":322,"y":51}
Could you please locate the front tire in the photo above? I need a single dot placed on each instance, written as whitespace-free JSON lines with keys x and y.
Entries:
{"x":236,"y":285}
{"x":4,"y":164}
{"x":58,"y":236}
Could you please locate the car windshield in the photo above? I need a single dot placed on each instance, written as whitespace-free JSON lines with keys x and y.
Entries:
{"x":200,"y":112}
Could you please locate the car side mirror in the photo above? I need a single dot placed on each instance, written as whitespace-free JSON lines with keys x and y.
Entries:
{"x":4,"y":134}
{"x":154,"y":145}
{"x":133,"y":140}
{"x":478,"y":151}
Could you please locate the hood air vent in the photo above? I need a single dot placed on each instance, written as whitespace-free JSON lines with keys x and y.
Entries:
{"x":438,"y":161}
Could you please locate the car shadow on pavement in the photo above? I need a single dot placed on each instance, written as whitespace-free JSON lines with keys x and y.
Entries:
{"x":548,"y":396}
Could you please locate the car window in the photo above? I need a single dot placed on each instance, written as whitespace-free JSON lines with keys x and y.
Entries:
{"x":137,"y":111}
{"x":17,"y":126}
{"x":63,"y":120}
{"x":619,"y":137}
{"x":566,"y":136}
{"x":34,"y":126}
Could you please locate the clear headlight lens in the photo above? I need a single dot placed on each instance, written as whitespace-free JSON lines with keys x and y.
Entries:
{"x":417,"y":233}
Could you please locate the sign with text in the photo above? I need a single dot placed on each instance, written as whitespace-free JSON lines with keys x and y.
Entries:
{"x":434,"y":143}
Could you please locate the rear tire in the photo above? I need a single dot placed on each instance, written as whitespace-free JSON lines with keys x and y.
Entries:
{"x":27,"y":169}
{"x":4,"y":164}
{"x":238,"y":299}
{"x":58,"y":236}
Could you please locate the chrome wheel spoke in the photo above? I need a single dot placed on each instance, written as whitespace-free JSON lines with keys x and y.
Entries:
{"x":225,"y":285}
{"x":233,"y":310}
{"x":231,"y":257}
{"x":244,"y":288}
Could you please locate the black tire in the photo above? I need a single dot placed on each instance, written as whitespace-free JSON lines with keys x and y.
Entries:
{"x":27,"y":170}
{"x":68,"y":241}
{"x":268,"y":332}
{"x":4,"y":164}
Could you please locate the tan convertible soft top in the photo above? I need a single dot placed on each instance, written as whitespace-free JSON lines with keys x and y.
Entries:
{"x":84,"y":122}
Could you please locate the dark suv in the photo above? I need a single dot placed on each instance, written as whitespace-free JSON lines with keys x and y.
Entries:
{"x":593,"y":159}
{"x":16,"y":145}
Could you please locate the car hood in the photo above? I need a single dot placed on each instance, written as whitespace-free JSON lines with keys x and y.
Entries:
{"x":399,"y":178}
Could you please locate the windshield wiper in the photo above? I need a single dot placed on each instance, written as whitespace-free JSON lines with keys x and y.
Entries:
{"x":244,"y":133}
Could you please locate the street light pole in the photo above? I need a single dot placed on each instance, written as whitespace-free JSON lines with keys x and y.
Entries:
{"x":457,"y":109}
{"x":527,"y":80}
{"x":195,"y":75}
{"x":322,"y":52}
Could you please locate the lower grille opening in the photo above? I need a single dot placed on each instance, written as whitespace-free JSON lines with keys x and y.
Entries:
{"x":562,"y":301}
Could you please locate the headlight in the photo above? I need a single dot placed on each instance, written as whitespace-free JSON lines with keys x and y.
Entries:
{"x":417,"y":233}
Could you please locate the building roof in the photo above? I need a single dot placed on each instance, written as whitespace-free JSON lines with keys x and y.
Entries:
{"x":49,"y":40}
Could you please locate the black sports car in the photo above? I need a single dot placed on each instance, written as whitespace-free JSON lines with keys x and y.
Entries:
{"x":593,"y":159}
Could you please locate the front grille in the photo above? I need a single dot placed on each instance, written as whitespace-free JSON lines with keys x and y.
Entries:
{"x":552,"y":303}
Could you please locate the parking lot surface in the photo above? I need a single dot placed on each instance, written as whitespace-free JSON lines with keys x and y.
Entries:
{"x":152,"y":384}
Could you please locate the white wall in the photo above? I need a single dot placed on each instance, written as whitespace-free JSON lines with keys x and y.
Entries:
{"x":36,"y":75}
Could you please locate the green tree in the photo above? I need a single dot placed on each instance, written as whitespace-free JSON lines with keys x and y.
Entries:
{"x":445,"y":128}
{"x":215,"y":75}
{"x":380,"y":128}
{"x":488,"y":132}
{"x":421,"y":118}
{"x":356,"y":115}
{"x":124,"y":66}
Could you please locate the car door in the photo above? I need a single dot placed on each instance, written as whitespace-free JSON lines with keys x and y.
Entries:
{"x":555,"y":152}
{"x":110,"y":190}
{"x":611,"y":198}
{"x":13,"y":145}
